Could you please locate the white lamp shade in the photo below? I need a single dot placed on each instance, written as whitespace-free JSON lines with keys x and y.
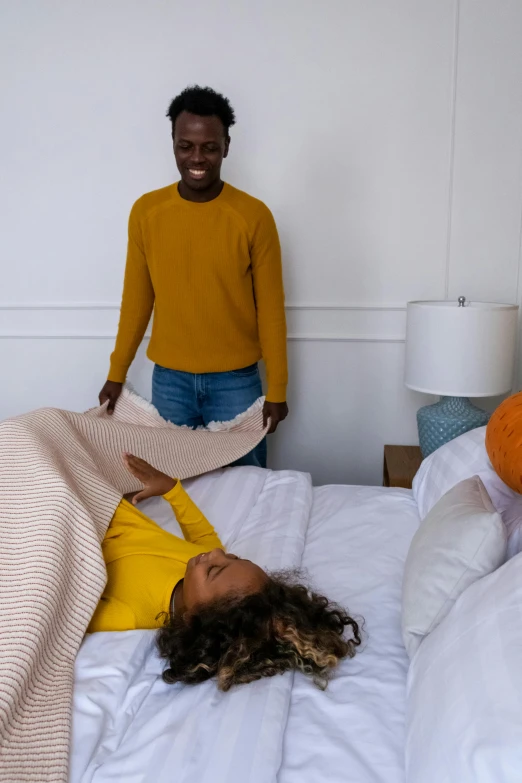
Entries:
{"x":460,"y":351}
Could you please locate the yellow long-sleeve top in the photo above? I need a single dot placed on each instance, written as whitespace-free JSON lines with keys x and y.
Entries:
{"x":145,"y":563}
{"x":212,"y":273}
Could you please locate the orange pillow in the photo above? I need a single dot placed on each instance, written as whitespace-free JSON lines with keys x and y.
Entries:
{"x":504,"y":441}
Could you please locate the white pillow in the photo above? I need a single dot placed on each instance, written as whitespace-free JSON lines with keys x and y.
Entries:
{"x":457,"y":460}
{"x":464,"y":704}
{"x":512,"y":518}
{"x":461,"y":540}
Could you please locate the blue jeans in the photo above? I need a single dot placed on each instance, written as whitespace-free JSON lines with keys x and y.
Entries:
{"x":194,"y":400}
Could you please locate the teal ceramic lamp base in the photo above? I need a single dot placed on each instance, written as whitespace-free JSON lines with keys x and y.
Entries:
{"x":447,"y":419}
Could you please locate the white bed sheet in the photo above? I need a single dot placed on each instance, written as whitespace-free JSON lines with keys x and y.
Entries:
{"x":128,"y":725}
{"x":356,"y":545}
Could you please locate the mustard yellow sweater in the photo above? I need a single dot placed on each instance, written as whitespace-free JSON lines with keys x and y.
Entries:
{"x":212,"y":273}
{"x":145,"y":563}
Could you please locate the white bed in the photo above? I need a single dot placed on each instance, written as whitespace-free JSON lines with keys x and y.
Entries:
{"x":129,"y":726}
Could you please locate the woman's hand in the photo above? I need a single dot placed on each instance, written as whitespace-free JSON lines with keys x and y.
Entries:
{"x":154,"y":481}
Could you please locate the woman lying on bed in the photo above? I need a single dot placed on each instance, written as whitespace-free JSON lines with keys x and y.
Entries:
{"x":218,"y":615}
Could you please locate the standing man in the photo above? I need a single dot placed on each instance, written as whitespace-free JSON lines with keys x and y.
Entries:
{"x":206,"y":258}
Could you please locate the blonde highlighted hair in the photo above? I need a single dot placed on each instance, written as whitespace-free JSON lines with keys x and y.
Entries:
{"x":286,"y":626}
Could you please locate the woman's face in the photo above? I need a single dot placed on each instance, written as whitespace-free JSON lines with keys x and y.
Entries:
{"x":214,"y":575}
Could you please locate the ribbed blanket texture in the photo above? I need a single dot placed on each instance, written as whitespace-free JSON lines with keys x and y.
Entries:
{"x":61,"y":479}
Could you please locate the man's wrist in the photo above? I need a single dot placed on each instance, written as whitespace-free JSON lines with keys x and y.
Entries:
{"x":117,"y":374}
{"x":276,"y":394}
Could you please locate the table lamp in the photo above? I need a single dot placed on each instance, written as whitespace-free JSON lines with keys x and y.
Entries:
{"x":458,"y":350}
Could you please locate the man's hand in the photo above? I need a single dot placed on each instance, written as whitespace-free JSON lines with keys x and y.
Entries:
{"x":154,"y":481}
{"x":111,"y":391}
{"x":276,"y":412}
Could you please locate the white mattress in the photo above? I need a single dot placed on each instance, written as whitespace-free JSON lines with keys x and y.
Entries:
{"x":356,"y":545}
{"x":128,"y":725}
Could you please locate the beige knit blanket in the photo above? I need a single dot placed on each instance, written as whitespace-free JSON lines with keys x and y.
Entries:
{"x":61,"y":479}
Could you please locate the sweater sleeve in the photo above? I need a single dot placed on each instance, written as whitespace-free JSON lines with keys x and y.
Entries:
{"x":265,"y":254}
{"x":137,"y":302}
{"x":194,"y":525}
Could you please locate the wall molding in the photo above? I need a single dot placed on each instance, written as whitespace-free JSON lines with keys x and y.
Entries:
{"x":351,"y":307}
{"x":115,"y":306}
{"x":314,"y":338}
{"x":307,"y":321}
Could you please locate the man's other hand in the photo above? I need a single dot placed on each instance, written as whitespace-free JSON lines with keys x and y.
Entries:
{"x":275,"y":412}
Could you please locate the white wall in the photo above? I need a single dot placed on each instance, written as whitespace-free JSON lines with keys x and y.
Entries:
{"x":386,"y":138}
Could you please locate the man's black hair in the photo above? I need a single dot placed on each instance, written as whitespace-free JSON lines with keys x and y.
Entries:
{"x":205,"y":102}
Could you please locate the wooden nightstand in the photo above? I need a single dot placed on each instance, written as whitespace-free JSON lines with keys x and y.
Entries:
{"x":401,"y":463}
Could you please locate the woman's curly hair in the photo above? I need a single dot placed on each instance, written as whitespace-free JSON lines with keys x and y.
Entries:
{"x":243,"y":638}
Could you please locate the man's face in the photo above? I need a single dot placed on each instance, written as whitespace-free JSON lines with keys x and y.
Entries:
{"x":200,"y":144}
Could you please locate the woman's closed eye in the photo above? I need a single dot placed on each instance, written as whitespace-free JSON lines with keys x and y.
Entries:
{"x":214,"y":570}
